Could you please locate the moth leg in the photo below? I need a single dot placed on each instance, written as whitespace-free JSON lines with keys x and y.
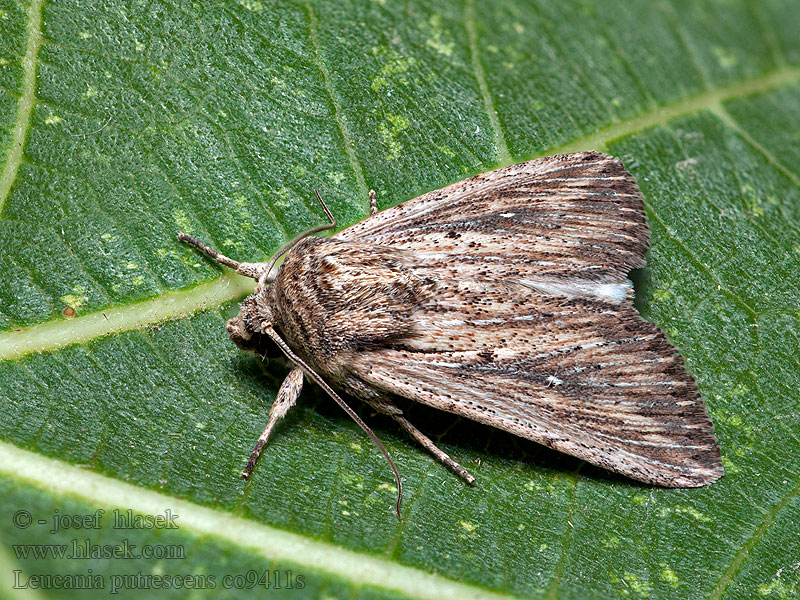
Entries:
{"x":386,"y":407}
{"x":373,"y":203}
{"x":286,"y":398}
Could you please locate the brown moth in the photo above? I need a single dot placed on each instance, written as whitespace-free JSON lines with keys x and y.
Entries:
{"x":502,"y":298}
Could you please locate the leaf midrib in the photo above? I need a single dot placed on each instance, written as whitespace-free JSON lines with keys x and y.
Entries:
{"x":503,"y":153}
{"x":62,"y":478}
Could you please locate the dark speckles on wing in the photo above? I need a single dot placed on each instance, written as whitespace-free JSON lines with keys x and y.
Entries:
{"x":561,"y":216}
{"x":503,"y":298}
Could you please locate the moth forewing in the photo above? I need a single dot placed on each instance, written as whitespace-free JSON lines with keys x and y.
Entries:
{"x":502,"y":298}
{"x":531,"y":264}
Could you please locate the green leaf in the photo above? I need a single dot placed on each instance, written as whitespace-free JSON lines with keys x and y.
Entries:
{"x":123,"y":123}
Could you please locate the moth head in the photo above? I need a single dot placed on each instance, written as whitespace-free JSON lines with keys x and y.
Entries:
{"x":256,"y":314}
{"x":247,"y":329}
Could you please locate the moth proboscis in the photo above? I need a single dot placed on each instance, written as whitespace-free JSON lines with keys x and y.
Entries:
{"x":502,"y":298}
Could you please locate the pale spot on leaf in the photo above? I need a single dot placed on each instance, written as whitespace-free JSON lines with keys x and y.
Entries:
{"x":390,"y":132}
{"x":437,"y":36}
{"x":336,"y":177}
{"x":725,"y":57}
{"x":181,"y":220}
{"x":471,"y":527}
{"x":394,"y":70}
{"x":669,"y":575}
{"x":77,"y":299}
{"x":251,"y":5}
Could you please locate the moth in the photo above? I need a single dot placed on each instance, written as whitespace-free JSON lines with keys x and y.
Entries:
{"x":502,"y":298}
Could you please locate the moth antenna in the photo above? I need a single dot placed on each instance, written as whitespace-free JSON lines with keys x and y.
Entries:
{"x":220,"y":258}
{"x":350,"y":412}
{"x":326,"y":209}
{"x":248,"y":269}
{"x":262,"y":281}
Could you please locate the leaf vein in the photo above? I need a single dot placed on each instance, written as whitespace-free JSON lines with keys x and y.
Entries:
{"x":337,"y":108}
{"x":504,"y":156}
{"x":699,"y":263}
{"x":752,"y":542}
{"x":731,"y":122}
{"x":26,"y":102}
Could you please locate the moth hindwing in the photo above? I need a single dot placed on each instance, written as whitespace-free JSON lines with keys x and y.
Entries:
{"x":502,"y":298}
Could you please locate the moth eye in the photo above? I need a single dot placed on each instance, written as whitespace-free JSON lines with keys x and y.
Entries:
{"x":237,"y":331}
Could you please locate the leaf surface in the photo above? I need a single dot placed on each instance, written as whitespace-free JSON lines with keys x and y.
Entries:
{"x":123,"y":123}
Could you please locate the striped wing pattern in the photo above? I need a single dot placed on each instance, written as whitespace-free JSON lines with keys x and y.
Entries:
{"x":588,"y":378}
{"x":575,"y":216}
{"x":530,"y":327}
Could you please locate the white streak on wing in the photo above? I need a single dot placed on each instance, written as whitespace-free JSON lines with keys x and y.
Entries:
{"x":527,"y":318}
{"x":614,"y":291}
{"x":616,"y":178}
{"x":579,"y":193}
{"x":570,"y":165}
{"x":487,"y":321}
{"x":595,"y":383}
{"x":451,"y":322}
{"x":433,"y":256}
{"x":640,"y":442}
{"x":553,"y":380}
{"x":610,"y":292}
